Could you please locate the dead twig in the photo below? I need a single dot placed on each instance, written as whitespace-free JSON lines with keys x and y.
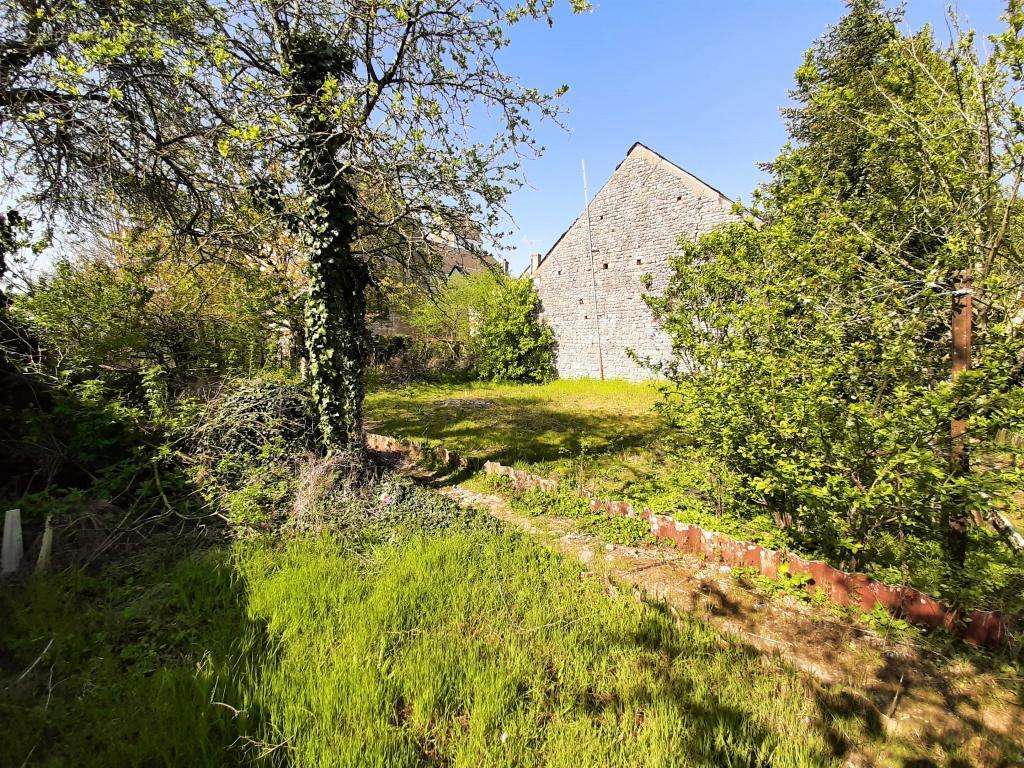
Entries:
{"x":34,"y":663}
{"x":895,"y":699}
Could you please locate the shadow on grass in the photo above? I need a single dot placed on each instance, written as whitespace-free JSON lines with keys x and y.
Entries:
{"x":524,"y":428}
{"x":989,"y":746}
{"x":144,"y":664}
{"x":731,"y":697}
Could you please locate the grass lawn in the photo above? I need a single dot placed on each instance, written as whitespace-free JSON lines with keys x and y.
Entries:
{"x":469,"y":647}
{"x":544,"y":423}
{"x":602,"y":438}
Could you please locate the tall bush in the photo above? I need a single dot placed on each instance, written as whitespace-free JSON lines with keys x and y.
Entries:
{"x":492,"y":323}
{"x":513,"y":343}
{"x":812,"y":339}
{"x":122,"y":312}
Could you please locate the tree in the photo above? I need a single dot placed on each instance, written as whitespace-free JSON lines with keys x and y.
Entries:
{"x":453,"y":311}
{"x":496,"y":320}
{"x":361,"y":123}
{"x":813,"y":339}
{"x":106,"y":99}
{"x":151,"y":311}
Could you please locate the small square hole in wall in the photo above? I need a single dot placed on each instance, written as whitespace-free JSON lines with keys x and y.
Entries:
{"x":639,"y":261}
{"x":559,"y":271}
{"x":586,"y":317}
{"x":604,"y":266}
{"x":581,"y":302}
{"x":678,"y":198}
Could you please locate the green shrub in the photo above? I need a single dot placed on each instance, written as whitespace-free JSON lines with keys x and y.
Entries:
{"x":489,"y":324}
{"x":512,"y":343}
{"x":616,"y":529}
{"x":401,"y":359}
{"x":252,"y":452}
{"x":250,"y":424}
{"x":812,"y":338}
{"x":87,"y":426}
{"x":786,"y":583}
{"x":134,"y":306}
{"x":253,"y":505}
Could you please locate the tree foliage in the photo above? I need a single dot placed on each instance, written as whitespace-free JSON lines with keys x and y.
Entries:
{"x":512,"y":343}
{"x":812,"y":343}
{"x":108,"y":98}
{"x":135,"y":308}
{"x":453,"y":311}
{"x":367,"y":126}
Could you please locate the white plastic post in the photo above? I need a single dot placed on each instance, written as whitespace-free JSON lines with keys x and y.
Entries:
{"x":46,"y":548}
{"x":10,"y":555}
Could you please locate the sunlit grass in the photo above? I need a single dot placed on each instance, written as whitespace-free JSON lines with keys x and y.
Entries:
{"x":467,"y":648}
{"x":476,"y":649}
{"x":521,"y":423}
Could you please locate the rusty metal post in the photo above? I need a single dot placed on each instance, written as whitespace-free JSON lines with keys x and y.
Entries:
{"x":959,"y":454}
{"x":961,"y":327}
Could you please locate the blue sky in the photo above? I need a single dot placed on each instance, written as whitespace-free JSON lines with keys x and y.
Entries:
{"x":700,"y":81}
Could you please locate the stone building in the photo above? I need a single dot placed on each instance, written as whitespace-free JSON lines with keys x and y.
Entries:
{"x":636,"y":220}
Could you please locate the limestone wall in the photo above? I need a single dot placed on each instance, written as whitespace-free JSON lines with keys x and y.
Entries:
{"x":636,"y":220}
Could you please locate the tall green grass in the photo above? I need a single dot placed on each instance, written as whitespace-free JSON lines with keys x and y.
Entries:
{"x":122,"y":669}
{"x":464,"y":647}
{"x":475,"y":649}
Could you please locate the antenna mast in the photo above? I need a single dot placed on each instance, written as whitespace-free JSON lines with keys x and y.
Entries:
{"x":593,"y":272}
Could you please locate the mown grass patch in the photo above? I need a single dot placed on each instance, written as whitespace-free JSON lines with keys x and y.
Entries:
{"x":552,"y":422}
{"x":599,"y":438}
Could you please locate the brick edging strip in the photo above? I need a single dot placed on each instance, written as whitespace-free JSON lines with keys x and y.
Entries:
{"x":979,"y":628}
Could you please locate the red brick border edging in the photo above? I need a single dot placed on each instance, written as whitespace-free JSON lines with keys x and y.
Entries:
{"x":984,"y":628}
{"x":987,"y":628}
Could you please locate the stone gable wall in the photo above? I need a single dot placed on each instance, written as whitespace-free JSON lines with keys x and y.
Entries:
{"x":636,"y":220}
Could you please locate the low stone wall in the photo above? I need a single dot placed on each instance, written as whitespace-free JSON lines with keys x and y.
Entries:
{"x":980,"y":628}
{"x":986,"y":628}
{"x":520,"y":480}
{"x":419,"y":451}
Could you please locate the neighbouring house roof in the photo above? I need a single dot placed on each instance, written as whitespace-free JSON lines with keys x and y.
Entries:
{"x":700,"y":188}
{"x":457,"y":258}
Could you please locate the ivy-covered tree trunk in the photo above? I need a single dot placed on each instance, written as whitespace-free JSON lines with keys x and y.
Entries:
{"x":335,"y":309}
{"x":336,"y":300}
